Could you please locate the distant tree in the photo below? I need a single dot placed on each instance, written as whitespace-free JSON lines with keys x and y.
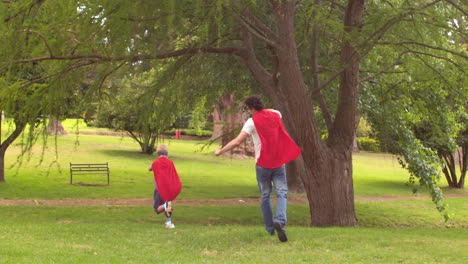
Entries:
{"x":23,"y":106}
{"x":137,"y":105}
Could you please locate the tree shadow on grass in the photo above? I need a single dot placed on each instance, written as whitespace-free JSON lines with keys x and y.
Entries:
{"x":91,"y":184}
{"x":128,"y":154}
{"x":383,"y":187}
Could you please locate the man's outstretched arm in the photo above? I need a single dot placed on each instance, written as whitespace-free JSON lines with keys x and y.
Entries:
{"x":232,"y":144}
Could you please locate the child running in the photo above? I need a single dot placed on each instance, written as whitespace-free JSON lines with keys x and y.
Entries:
{"x":167,"y":184}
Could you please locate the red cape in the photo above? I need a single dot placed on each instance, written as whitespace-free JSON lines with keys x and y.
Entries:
{"x":167,"y":179}
{"x":278,"y":147}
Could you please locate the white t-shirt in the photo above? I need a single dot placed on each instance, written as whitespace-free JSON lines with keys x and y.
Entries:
{"x":249,"y":128}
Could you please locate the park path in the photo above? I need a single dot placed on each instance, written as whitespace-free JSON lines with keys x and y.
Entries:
{"x":198,"y":202}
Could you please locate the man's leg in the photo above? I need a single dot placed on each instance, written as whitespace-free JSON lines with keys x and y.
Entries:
{"x":264,"y":185}
{"x":281,"y":190}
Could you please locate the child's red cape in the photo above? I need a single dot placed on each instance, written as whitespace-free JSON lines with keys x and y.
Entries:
{"x":167,"y":179}
{"x":278,"y":147}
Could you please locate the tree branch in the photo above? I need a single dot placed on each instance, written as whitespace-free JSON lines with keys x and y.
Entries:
{"x":19,"y":126}
{"x":374,"y":38}
{"x":226,"y":50}
{"x":423,"y":45}
{"x":334,"y":76}
{"x":437,"y":57}
{"x":336,"y":4}
{"x":46,"y":42}
{"x":457,"y":7}
{"x":255,"y":32}
{"x":380,"y":72}
{"x":262,"y":26}
{"x":433,"y":69}
{"x":315,"y":68}
{"x":250,"y":59}
{"x":397,"y":62}
{"x":109,"y":73}
{"x":72,"y":67}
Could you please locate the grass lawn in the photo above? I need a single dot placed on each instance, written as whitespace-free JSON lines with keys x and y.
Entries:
{"x":392,"y":232}
{"x":44,"y":174}
{"x":406,"y":231}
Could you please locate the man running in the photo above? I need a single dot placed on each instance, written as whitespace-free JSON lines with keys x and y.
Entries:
{"x":273,"y":149}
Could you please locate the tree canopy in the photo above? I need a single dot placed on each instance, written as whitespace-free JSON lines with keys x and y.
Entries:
{"x":308,"y":57}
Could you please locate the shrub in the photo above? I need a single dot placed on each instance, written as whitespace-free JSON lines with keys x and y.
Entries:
{"x":190,"y":132}
{"x":368,"y":144}
{"x":363,"y":130}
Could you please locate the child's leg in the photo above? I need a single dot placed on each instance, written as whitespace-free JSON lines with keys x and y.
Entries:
{"x":169,"y":223}
{"x":168,"y":213}
{"x":157,"y":202}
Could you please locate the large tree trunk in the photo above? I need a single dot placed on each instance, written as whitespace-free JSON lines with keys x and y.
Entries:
{"x":295,"y":171}
{"x":329,"y":186}
{"x":328,"y":178}
{"x":330,"y":189}
{"x":55,"y":127}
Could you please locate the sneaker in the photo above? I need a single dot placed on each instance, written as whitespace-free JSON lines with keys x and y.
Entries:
{"x":281,"y":232}
{"x":170,"y":225}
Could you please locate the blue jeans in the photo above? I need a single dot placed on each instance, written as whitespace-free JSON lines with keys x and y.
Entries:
{"x":264,"y":179}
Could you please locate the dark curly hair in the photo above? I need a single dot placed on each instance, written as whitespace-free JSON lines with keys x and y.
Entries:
{"x":254,"y":102}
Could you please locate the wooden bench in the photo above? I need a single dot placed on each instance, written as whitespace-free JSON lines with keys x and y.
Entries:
{"x":87,"y":169}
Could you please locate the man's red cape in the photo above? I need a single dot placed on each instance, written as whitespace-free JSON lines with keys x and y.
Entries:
{"x":167,"y":179}
{"x":278,"y":147}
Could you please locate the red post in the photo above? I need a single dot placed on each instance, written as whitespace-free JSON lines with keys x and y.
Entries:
{"x":177,"y":134}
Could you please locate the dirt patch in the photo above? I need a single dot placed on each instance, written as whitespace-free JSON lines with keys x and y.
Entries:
{"x":198,"y":202}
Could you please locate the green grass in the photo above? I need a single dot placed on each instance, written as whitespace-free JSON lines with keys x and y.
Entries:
{"x":407,"y":231}
{"x":227,"y":234}
{"x":129,"y":171}
{"x":147,"y":243}
{"x":44,"y":173}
